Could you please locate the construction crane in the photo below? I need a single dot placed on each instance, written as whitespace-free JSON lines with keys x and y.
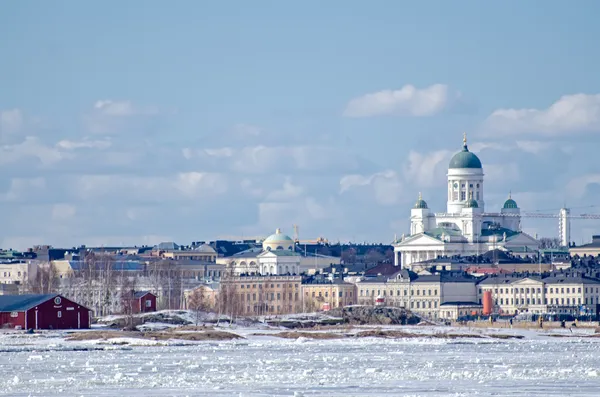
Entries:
{"x":318,"y":240}
{"x":564,"y":221}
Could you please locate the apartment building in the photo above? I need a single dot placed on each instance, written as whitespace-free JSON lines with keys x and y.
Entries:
{"x":261,"y":295}
{"x":323,"y":294}
{"x":557,"y":293}
{"x":422,"y":294}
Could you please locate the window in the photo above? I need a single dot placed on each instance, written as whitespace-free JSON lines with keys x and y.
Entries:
{"x":59,"y":314}
{"x":463,"y":196}
{"x":14,"y":314}
{"x":148,"y":303}
{"x":477,"y":196}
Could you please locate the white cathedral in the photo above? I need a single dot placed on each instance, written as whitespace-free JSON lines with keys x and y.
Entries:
{"x":465,"y":228}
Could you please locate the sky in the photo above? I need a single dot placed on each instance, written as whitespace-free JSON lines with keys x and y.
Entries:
{"x":139,"y":122}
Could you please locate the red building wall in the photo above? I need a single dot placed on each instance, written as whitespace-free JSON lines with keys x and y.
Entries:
{"x":6,"y":320}
{"x":72,"y":315}
{"x":140,"y":305}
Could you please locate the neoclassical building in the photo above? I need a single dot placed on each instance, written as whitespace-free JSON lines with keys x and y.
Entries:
{"x":277,"y":257}
{"x":465,"y":228}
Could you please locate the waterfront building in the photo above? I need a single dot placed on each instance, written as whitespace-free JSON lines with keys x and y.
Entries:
{"x":465,"y":228}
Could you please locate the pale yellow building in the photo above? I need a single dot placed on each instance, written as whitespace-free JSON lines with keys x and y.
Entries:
{"x":591,"y":249}
{"x":261,"y":295}
{"x":319,"y":295}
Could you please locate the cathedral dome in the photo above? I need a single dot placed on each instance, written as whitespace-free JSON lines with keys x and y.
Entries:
{"x":278,"y":241}
{"x":420,"y":204}
{"x":464,"y":158}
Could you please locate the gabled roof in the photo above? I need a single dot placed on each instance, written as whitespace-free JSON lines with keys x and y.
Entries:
{"x":141,"y":294}
{"x":19,"y":303}
{"x":279,"y":253}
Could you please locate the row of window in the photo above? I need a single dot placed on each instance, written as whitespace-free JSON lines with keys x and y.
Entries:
{"x":398,"y":292}
{"x":340,"y":294}
{"x":538,"y":290}
{"x":247,"y":286}
{"x":7,"y":274}
{"x":272,"y":296}
{"x":539,"y":301}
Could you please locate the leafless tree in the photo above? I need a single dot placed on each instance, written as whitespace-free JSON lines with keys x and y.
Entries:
{"x":348,"y":255}
{"x":46,"y":279}
{"x":197,"y":301}
{"x":549,"y":243}
{"x":128,"y":300}
{"x":228,"y":300}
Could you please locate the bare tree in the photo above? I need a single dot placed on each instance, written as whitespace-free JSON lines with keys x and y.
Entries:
{"x":46,"y":279}
{"x":374,"y":256}
{"x":228,"y":300}
{"x":549,"y":243}
{"x":128,"y":300}
{"x":197,"y":301}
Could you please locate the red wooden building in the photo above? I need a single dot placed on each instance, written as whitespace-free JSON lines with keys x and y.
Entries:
{"x":49,"y":311}
{"x":144,"y":302}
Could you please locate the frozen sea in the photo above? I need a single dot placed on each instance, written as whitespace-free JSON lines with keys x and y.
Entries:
{"x":266,"y":366}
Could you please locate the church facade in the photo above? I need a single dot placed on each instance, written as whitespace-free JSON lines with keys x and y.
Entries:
{"x":465,"y":228}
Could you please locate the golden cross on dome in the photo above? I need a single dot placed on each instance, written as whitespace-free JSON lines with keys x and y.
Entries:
{"x":464,"y":138}
{"x":420,"y":197}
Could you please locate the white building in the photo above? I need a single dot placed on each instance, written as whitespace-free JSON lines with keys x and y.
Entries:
{"x":277,"y":257}
{"x":465,"y":228}
{"x":279,"y":254}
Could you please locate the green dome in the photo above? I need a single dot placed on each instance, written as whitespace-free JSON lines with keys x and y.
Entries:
{"x":465,"y":159}
{"x":471,"y":204}
{"x":510,"y":203}
{"x":420,"y":204}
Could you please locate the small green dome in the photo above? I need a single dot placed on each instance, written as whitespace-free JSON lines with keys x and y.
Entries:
{"x":464,"y":158}
{"x":510,"y":204}
{"x":471,"y":204}
{"x":420,"y":204}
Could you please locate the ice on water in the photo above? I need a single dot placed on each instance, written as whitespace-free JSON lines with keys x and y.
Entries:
{"x":266,"y":366}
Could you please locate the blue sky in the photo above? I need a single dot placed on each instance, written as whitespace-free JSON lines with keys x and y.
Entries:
{"x":136,"y":122}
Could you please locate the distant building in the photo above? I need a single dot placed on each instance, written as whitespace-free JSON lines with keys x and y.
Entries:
{"x":49,"y":311}
{"x":465,"y":228}
{"x":144,"y":302}
{"x":279,"y":254}
{"x":319,"y":295}
{"x":590,"y":249}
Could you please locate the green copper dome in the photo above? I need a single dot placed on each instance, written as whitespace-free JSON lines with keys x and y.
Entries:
{"x":510,"y":203}
{"x":420,"y":204}
{"x":471,"y":204}
{"x":464,"y":158}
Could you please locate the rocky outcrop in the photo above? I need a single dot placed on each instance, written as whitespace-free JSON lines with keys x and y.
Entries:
{"x":362,"y":315}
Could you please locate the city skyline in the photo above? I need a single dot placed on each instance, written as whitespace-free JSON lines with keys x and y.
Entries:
{"x":129,"y":125}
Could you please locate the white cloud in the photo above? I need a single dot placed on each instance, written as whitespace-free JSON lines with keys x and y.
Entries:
{"x":408,"y":100}
{"x":533,"y":147}
{"x":85,"y":144}
{"x":63,"y":212}
{"x":122,"y":108}
{"x":428,"y":169}
{"x":109,"y":117}
{"x":577,"y":186}
{"x":30,"y":147}
{"x":221,"y":152}
{"x":21,"y":188}
{"x":386,"y":186}
{"x":571,"y":113}
{"x":185,"y":185}
{"x":197,"y":184}
{"x":500,"y":174}
{"x":11,"y":121}
{"x":287,"y":192}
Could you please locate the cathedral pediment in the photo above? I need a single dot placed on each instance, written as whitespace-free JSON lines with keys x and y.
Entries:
{"x":420,"y":240}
